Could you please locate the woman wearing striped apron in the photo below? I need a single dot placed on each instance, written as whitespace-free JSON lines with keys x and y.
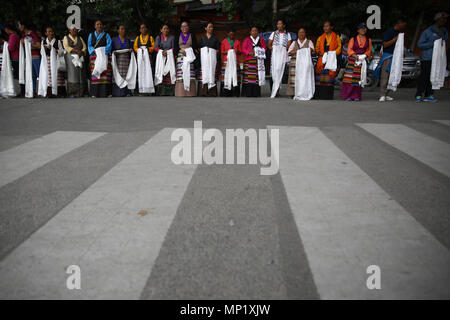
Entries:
{"x":301,"y":43}
{"x":253,"y":65}
{"x":100,"y":83}
{"x":185,"y":41}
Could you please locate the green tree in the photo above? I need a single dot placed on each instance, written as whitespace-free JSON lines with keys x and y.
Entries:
{"x":42,"y":13}
{"x":154,"y":13}
{"x":345,"y":14}
{"x":38,"y":13}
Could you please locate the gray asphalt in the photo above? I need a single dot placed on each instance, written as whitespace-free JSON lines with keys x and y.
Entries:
{"x":234,"y":234}
{"x":22,"y":117}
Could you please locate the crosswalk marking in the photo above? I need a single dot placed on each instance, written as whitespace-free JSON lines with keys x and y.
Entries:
{"x":102,"y":232}
{"x":430,"y":151}
{"x":347,"y":223}
{"x":446,"y":122}
{"x":345,"y":220}
{"x":18,"y":161}
{"x":29,"y":202}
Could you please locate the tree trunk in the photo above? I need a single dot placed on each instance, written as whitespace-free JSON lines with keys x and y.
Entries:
{"x":274,"y":10}
{"x":138,"y":9}
{"x":416,"y":33}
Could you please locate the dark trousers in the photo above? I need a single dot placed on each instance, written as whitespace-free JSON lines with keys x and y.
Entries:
{"x":424,"y":83}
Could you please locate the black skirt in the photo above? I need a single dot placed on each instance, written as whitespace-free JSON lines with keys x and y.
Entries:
{"x":203,"y":90}
{"x":100,"y":90}
{"x":235,"y":92}
{"x":117,"y":92}
{"x":324,"y":93}
{"x":251,"y":90}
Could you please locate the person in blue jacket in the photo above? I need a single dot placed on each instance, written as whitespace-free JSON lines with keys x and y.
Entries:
{"x":100,"y":86}
{"x":426,"y":42}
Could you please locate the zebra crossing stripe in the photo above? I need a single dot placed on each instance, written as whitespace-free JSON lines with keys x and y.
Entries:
{"x":348,"y":223}
{"x":113,"y":231}
{"x":445,"y":122}
{"x":21,"y":160}
{"x":432,"y":152}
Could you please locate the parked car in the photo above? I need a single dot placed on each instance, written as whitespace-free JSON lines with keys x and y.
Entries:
{"x":411,"y":63}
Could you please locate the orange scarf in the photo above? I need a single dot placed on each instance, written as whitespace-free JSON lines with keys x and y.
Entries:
{"x":332,"y":47}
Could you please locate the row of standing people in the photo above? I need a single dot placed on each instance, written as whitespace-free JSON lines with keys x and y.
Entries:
{"x":189,"y":57}
{"x":393,"y":39}
{"x":79,"y":54}
{"x":197,"y":62}
{"x":253,"y":50}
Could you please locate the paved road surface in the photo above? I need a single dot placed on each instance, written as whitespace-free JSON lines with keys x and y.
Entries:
{"x":359,"y":184}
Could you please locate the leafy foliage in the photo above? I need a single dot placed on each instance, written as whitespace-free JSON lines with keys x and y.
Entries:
{"x":309,"y":13}
{"x":42,"y":13}
{"x":38,"y":13}
{"x":345,"y":14}
{"x":154,"y":13}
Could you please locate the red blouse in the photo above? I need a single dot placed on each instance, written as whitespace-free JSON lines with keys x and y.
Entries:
{"x":225,"y":46}
{"x":247,"y":47}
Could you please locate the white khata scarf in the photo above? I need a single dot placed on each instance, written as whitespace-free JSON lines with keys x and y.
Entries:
{"x":260,"y":55}
{"x":230,"y":77}
{"x":43,"y":70}
{"x":186,"y":68}
{"x":361,"y":61}
{"x":145,"y":77}
{"x":330,"y":60}
{"x":304,"y":75}
{"x":208,"y":58}
{"x":77,"y":61}
{"x":279,"y":59}
{"x":395,"y":75}
{"x":165,"y":65}
{"x":25,"y":68}
{"x":6,"y":79}
{"x":130,"y":78}
{"x":438,"y":64}
{"x":101,"y":62}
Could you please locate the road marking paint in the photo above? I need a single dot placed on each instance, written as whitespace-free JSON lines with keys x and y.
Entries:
{"x":102,"y":232}
{"x":348,"y":223}
{"x":445,"y":122}
{"x":432,"y":152}
{"x":21,"y":160}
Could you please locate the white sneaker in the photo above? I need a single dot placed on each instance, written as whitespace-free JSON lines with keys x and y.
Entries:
{"x":382,"y":99}
{"x":389,"y":98}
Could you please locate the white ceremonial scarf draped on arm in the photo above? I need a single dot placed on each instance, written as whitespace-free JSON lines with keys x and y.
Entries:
{"x":145,"y":77}
{"x":77,"y":60}
{"x":208,"y":57}
{"x":165,"y":65}
{"x":61,"y":62}
{"x":230,"y":77}
{"x":304,"y":75}
{"x":361,"y":61}
{"x":186,"y":68}
{"x":101,"y":62}
{"x":395,"y":75}
{"x":279,"y":59}
{"x":25,"y":67}
{"x":260,"y":55}
{"x":130,"y":78}
{"x":43,"y":71}
{"x":330,"y":60}
{"x":438,"y":64}
{"x":6,"y":77}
